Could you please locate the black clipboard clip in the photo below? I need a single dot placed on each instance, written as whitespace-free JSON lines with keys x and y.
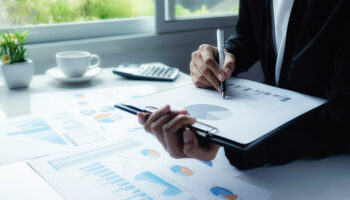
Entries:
{"x":204,"y":131}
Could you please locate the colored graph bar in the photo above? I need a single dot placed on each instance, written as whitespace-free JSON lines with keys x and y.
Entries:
{"x":92,"y":165}
{"x":70,"y":139}
{"x":152,"y":178}
{"x":117,"y":181}
{"x":87,"y":156}
{"x":106,"y":174}
{"x":107,"y":177}
{"x":123,"y":184}
{"x":147,"y":198}
{"x":136,"y":191}
{"x":136,"y":195}
{"x":31,"y":126}
{"x":95,"y":168}
{"x":129,"y":187}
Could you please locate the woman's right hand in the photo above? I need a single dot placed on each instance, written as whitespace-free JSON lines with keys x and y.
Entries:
{"x":205,"y":71}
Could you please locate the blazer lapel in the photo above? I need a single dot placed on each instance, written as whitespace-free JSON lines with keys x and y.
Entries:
{"x":270,"y":52}
{"x":294,"y":34}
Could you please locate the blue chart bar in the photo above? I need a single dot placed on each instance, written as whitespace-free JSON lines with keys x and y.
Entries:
{"x":91,"y":155}
{"x":37,"y":128}
{"x":170,"y":190}
{"x":107,"y":177}
{"x":209,"y":163}
{"x":31,"y":126}
{"x":70,"y":140}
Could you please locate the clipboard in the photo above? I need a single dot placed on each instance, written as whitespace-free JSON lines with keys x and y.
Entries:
{"x":207,"y":133}
{"x":204,"y":131}
{"x":254,"y":114}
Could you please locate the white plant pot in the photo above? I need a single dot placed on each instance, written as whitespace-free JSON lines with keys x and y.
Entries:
{"x":18,"y":75}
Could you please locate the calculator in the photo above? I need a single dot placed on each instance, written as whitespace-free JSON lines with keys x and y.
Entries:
{"x":148,"y":71}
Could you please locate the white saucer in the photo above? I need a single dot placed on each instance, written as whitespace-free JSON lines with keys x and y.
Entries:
{"x":56,"y":74}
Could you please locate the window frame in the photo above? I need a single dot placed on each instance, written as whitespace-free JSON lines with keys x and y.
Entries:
{"x":85,"y":30}
{"x":166,"y":22}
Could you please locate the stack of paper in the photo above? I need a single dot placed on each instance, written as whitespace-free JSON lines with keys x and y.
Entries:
{"x":103,"y":153}
{"x":132,"y":169}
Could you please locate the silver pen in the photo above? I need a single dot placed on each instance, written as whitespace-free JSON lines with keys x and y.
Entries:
{"x":220,"y":45}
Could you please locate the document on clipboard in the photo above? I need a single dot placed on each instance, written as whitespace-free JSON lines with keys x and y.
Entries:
{"x":250,"y":113}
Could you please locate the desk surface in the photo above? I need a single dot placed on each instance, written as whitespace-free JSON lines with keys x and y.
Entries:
{"x":327,"y":178}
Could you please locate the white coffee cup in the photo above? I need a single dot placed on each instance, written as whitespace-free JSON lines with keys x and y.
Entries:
{"x":76,"y":63}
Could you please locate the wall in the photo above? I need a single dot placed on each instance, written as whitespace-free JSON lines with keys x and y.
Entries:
{"x":173,"y":49}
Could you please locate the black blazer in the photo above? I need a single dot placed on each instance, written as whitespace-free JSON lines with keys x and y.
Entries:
{"x":316,"y":62}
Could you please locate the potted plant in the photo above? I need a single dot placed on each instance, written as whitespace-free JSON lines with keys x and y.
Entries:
{"x":17,"y":69}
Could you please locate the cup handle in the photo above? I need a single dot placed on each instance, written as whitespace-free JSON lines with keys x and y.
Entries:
{"x":94,"y":57}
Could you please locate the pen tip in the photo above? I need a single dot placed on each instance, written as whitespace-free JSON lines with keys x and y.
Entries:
{"x":223,"y":94}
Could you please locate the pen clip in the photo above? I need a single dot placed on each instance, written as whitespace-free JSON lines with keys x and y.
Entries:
{"x":204,"y":129}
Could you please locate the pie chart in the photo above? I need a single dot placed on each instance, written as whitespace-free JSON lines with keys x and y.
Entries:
{"x":182,"y":171}
{"x":107,"y":118}
{"x":79,"y":96}
{"x":208,"y":112}
{"x":223,"y":193}
{"x":82,"y":103}
{"x":107,"y":108}
{"x":87,"y":112}
{"x":150,"y":153}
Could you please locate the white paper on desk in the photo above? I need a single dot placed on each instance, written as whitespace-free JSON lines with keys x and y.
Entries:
{"x":95,"y":107}
{"x":32,"y":136}
{"x":252,"y":110}
{"x":137,"y":170}
{"x":87,"y":101}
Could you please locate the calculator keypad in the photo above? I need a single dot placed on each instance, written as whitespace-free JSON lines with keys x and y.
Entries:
{"x":155,"y":71}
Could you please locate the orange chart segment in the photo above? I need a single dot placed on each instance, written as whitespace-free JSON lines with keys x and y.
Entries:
{"x":107,"y":118}
{"x":223,"y":193}
{"x":182,"y":171}
{"x":150,"y":153}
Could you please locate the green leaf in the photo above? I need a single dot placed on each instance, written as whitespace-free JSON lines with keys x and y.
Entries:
{"x":13,"y":45}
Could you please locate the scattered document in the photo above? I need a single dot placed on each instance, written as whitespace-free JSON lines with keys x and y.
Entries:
{"x":250,"y":111}
{"x":94,"y":107}
{"x":32,"y":136}
{"x":135,"y":170}
{"x":86,"y":102}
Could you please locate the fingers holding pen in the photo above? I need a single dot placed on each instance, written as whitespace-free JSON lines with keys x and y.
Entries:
{"x":229,"y":64}
{"x":197,"y":76}
{"x":205,"y":70}
{"x":203,"y":66}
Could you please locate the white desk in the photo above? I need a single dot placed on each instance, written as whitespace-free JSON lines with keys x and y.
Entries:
{"x":303,"y":179}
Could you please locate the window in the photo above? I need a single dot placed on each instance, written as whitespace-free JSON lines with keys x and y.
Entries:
{"x":187,"y":9}
{"x":77,"y":19}
{"x":176,"y":15}
{"x":34,"y":12}
{"x":61,"y":20}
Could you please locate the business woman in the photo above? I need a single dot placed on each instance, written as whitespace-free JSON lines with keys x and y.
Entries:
{"x":304,"y":46}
